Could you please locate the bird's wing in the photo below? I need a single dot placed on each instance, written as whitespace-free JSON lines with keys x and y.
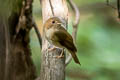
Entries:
{"x":65,"y":39}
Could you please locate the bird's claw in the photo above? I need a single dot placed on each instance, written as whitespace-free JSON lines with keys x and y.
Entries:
{"x":61,"y":55}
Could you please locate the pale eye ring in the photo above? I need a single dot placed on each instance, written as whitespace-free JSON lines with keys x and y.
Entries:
{"x":53,"y":22}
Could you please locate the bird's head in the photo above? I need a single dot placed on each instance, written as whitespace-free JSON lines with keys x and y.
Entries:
{"x":52,"y":22}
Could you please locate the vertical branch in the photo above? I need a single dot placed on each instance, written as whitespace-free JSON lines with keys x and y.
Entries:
{"x":52,"y":68}
{"x":75,"y":26}
{"x":51,"y":7}
{"x":77,"y":18}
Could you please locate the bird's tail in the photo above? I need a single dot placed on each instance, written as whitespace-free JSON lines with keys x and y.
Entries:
{"x":75,"y":57}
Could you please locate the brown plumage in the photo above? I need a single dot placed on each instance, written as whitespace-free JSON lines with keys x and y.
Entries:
{"x":58,"y":36}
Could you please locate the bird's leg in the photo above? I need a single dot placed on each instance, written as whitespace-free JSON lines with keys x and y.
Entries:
{"x":61,"y":54}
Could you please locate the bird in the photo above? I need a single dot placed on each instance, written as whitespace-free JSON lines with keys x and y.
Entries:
{"x":57,"y":35}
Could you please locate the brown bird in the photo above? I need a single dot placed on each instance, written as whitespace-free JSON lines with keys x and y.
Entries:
{"x":59,"y":37}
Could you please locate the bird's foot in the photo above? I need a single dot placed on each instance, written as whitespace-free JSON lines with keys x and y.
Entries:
{"x":61,"y":55}
{"x":51,"y":49}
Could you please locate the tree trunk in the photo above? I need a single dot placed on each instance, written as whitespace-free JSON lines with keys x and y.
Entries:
{"x":53,"y":68}
{"x":2,"y":49}
{"x":15,"y":54}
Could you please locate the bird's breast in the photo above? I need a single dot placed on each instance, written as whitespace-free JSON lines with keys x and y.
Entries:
{"x":53,"y":38}
{"x":49,"y":33}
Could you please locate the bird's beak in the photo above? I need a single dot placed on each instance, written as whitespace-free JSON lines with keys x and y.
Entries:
{"x":58,"y":23}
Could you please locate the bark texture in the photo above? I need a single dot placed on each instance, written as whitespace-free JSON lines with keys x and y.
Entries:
{"x":2,"y":49}
{"x":53,"y":68}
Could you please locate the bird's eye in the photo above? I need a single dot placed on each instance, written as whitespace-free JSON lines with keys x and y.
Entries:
{"x":53,"y":22}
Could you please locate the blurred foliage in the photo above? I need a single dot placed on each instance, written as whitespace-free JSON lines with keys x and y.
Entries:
{"x":97,"y":42}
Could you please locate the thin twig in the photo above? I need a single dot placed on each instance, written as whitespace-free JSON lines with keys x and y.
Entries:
{"x":75,"y":26}
{"x":51,"y":7}
{"x":38,"y":33}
